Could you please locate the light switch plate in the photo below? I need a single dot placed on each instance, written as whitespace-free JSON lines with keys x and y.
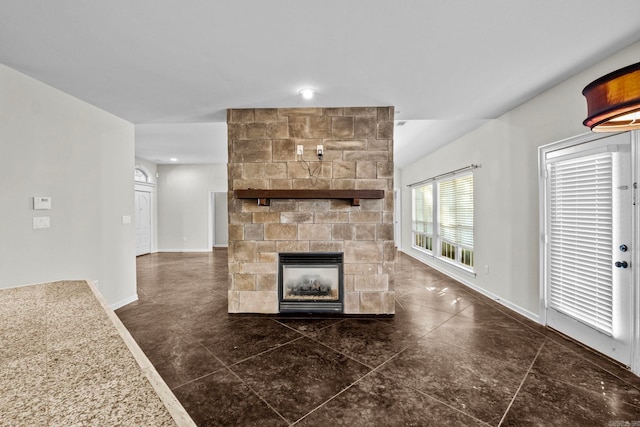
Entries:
{"x":41,"y":202}
{"x":126,"y":219}
{"x":41,"y":222}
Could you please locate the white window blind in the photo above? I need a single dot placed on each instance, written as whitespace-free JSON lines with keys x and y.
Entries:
{"x":580,"y":260}
{"x":423,"y":209}
{"x":456,"y":210}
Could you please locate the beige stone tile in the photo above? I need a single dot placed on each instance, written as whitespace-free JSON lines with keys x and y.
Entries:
{"x":342,"y":231}
{"x":244,"y":250}
{"x":265,"y":217}
{"x":363,"y":252}
{"x":314,"y":231}
{"x":365,"y":231}
{"x":268,"y":257}
{"x":385,"y":114}
{"x":366,"y":169}
{"x":312,"y":205}
{"x":258,"y":268}
{"x":283,"y":205}
{"x":342,"y":127}
{"x":299,"y":127}
{"x":280,"y":231}
{"x":365,"y":217}
{"x":296,"y":217}
{"x":345,"y":144}
{"x":256,"y":130}
{"x":365,"y":127}
{"x":266,"y":115}
{"x":280,"y":184}
{"x":372,"y":184}
{"x":351,"y":303}
{"x":249,"y":151}
{"x":334,"y":112}
{"x":267,"y":282}
{"x":234,"y":301}
{"x":236,"y":232}
{"x":275,"y":171}
{"x":360,"y":267}
{"x":331,"y":217}
{"x":243,"y":184}
{"x":266,"y":246}
{"x":241,"y":116}
{"x":297,"y":170}
{"x":236,"y":131}
{"x":384,"y":170}
{"x":372,"y":303}
{"x":343,"y":184}
{"x":311,"y":184}
{"x":324,"y":246}
{"x":284,"y":150}
{"x":278,"y":130}
{"x":320,"y":127}
{"x":373,"y":156}
{"x":372,"y":282}
{"x":289,"y":112}
{"x":380,"y":145}
{"x":253,"y":171}
{"x":361,"y":111}
{"x":290,"y":246}
{"x":254,"y":232}
{"x":385,"y":130}
{"x":385,"y":231}
{"x":244,"y":282}
{"x":265,"y":302}
{"x":343,"y":169}
{"x":371,"y":205}
{"x":349,"y":283}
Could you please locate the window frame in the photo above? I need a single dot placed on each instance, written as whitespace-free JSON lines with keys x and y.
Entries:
{"x":439,"y":244}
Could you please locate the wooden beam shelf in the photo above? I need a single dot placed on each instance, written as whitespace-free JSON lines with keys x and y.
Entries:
{"x":264,"y":196}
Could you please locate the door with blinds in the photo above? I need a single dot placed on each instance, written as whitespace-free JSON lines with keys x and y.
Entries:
{"x":587,"y":243}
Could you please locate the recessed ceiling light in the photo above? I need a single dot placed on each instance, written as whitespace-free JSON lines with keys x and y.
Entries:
{"x":307,"y":93}
{"x":173,"y":159}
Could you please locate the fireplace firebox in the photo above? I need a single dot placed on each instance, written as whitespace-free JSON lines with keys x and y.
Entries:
{"x":310,"y":282}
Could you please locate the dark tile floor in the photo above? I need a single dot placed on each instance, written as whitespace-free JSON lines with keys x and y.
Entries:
{"x":449,"y":357}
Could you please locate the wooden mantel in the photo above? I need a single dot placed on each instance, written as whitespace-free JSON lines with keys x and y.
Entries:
{"x":264,"y":196}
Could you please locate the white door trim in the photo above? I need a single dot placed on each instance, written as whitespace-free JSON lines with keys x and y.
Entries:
{"x":542,"y":203}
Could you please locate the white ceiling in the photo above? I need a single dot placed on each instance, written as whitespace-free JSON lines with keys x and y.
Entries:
{"x":174,"y":67}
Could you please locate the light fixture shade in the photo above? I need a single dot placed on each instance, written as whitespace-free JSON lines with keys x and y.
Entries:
{"x":613,"y":101}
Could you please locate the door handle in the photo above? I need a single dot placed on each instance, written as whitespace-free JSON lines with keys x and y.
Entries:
{"x":622,"y":264}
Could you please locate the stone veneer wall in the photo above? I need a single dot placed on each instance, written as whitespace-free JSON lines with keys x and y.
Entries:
{"x":358,"y":154}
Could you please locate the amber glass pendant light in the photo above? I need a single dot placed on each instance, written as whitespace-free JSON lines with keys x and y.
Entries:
{"x":613,"y":101}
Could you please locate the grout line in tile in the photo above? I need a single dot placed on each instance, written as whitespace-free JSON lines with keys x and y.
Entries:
{"x":524,"y":378}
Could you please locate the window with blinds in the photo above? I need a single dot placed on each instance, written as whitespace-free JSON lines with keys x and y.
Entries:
{"x":422,"y":224}
{"x":455,"y":218}
{"x":580,"y":227}
{"x":443,"y":219}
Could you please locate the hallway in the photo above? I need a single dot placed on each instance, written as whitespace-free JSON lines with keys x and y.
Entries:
{"x":450,"y":356}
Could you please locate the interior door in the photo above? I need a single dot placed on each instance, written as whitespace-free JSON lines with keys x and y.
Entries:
{"x":143,"y":222}
{"x":588,"y":243}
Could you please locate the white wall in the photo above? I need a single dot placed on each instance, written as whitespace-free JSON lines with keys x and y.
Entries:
{"x":153,"y":169}
{"x":506,"y":220}
{"x":183,"y":205}
{"x":82,"y":157}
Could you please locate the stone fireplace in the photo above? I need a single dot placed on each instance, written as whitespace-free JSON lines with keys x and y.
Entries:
{"x":284,"y":203}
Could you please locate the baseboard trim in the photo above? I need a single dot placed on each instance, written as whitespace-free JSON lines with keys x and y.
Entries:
{"x":124,"y":302}
{"x":184,"y":250}
{"x":508,"y":304}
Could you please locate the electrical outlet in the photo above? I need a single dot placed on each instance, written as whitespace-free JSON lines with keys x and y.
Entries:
{"x":299,"y":150}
